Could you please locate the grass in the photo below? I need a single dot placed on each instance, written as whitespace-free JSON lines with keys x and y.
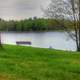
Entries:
{"x":27,"y":63}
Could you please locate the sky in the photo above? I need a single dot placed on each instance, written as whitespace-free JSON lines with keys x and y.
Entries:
{"x":21,"y":9}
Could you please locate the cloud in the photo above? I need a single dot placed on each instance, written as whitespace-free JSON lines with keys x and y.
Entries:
{"x":20,"y":8}
{"x":26,"y":4}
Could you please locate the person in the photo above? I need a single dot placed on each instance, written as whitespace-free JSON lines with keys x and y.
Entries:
{"x":50,"y":47}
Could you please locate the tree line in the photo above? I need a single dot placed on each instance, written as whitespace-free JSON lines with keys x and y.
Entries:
{"x":35,"y":24}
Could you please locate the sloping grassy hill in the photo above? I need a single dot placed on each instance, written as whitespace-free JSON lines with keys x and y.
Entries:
{"x":26,"y":63}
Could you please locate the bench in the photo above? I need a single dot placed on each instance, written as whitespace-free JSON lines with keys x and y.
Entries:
{"x":23,"y":42}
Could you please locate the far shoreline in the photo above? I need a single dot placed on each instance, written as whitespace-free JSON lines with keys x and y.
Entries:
{"x":34,"y":31}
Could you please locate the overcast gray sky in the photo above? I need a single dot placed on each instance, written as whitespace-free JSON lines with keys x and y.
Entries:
{"x":20,"y":9}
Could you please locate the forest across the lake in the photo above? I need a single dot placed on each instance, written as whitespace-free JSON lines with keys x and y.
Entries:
{"x":35,"y":24}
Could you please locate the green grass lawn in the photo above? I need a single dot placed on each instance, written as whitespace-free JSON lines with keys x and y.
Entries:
{"x":26,"y":63}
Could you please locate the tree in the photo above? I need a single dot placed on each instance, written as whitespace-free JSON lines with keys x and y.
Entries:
{"x":66,"y":9}
{"x":76,"y":18}
{"x":0,"y":34}
{"x":58,"y":9}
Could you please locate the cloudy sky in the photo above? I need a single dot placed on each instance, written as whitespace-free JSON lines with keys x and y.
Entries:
{"x":20,"y":9}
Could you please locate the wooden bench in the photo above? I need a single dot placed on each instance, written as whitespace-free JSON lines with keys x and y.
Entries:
{"x":23,"y":42}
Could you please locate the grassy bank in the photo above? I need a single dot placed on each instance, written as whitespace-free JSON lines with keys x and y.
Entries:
{"x":26,"y":63}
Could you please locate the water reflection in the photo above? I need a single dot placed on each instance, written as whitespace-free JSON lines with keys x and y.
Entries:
{"x":57,"y":40}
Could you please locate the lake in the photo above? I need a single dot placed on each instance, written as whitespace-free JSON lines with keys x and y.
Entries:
{"x":56,"y":40}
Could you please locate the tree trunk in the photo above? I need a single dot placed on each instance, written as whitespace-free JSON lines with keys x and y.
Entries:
{"x":0,"y":40}
{"x":79,"y":27}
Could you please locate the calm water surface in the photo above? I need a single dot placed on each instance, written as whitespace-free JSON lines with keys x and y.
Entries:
{"x":57,"y":40}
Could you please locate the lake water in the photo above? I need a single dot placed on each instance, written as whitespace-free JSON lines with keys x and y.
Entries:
{"x":56,"y":40}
